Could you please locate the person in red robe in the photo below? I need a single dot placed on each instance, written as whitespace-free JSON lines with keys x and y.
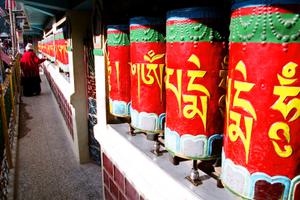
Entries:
{"x":30,"y":76}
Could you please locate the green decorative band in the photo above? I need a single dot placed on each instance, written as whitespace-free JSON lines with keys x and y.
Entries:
{"x":98,"y":52}
{"x":118,"y":39}
{"x":192,"y":32}
{"x":50,"y":38}
{"x":69,"y":48}
{"x":275,"y":28}
{"x":59,"y":36}
{"x":146,"y":35}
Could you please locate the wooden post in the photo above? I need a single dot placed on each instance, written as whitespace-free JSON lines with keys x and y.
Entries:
{"x":18,"y":73}
{"x":14,"y":78}
{"x":5,"y":128}
{"x":78,"y":21}
{"x":12,"y":91}
{"x":11,"y":27}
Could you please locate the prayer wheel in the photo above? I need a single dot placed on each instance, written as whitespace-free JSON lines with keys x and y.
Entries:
{"x":261,"y":158}
{"x":61,"y":52}
{"x":118,"y":46}
{"x":51,"y":47}
{"x":195,"y":88}
{"x":147,"y":52}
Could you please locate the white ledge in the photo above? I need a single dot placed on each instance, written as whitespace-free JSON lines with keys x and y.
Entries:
{"x":153,"y":177}
{"x":61,"y":82}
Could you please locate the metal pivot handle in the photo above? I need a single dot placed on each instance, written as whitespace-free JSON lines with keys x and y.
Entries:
{"x":194,"y":178}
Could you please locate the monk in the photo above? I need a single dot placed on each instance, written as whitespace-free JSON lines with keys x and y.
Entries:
{"x":30,"y":76}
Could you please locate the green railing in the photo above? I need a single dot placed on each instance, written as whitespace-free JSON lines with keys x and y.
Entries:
{"x":9,"y":93}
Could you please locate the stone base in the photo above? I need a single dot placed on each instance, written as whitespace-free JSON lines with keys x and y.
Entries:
{"x":193,"y":147}
{"x":147,"y":122}
{"x":258,"y":185}
{"x":119,"y":108}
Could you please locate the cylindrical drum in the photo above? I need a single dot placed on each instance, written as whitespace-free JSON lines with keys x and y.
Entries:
{"x":119,"y":69}
{"x":61,"y":52}
{"x":261,"y":157}
{"x":52,"y":47}
{"x":147,"y":52}
{"x":195,"y":83}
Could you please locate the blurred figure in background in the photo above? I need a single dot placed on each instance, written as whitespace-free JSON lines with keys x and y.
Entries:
{"x":30,"y":77}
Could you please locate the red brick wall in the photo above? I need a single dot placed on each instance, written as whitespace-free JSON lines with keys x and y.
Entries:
{"x":116,"y":186}
{"x":64,"y":106}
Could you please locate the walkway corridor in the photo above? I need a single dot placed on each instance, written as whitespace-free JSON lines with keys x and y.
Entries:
{"x":46,"y":166}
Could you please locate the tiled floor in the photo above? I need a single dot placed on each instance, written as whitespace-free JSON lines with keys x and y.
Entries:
{"x":46,"y":166}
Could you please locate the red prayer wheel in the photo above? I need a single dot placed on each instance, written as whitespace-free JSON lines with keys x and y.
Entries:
{"x":261,"y":157}
{"x":147,"y":52}
{"x":51,"y":46}
{"x":119,"y":69}
{"x":195,"y":83}
{"x":61,"y":53}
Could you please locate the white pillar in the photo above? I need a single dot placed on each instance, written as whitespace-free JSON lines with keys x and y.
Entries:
{"x":101,"y":90}
{"x":79,"y":23}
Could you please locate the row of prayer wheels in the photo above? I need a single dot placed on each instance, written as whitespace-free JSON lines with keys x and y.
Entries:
{"x":175,"y":83}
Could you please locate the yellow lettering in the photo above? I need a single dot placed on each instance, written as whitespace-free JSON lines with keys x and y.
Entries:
{"x":139,"y":82}
{"x":273,"y":135}
{"x":117,"y":64}
{"x":148,"y":73}
{"x":241,"y":67}
{"x":176,"y":90}
{"x":225,"y":62}
{"x":194,"y":59}
{"x":160,"y":79}
{"x":109,"y":74}
{"x":223,"y":73}
{"x":189,"y":111}
{"x":193,"y":74}
{"x":288,"y":72}
{"x":285,"y":108}
{"x":235,"y":131}
{"x":221,"y":104}
{"x":133,"y":69}
{"x":223,"y":76}
{"x":228,"y":101}
{"x":150,"y":68}
{"x":244,"y":104}
{"x":151,"y":57}
{"x":284,"y":91}
{"x":148,"y":79}
{"x":153,"y":68}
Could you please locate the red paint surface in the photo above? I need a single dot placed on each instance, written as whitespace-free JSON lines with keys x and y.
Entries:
{"x":297,"y":192}
{"x":119,"y":54}
{"x":116,"y":32}
{"x":146,"y":26}
{"x":47,"y":48}
{"x":206,"y":21}
{"x":61,"y":51}
{"x":50,"y":48}
{"x":210,"y":55}
{"x":263,"y":63}
{"x":265,"y":190}
{"x":151,"y":100}
{"x":265,"y":10}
